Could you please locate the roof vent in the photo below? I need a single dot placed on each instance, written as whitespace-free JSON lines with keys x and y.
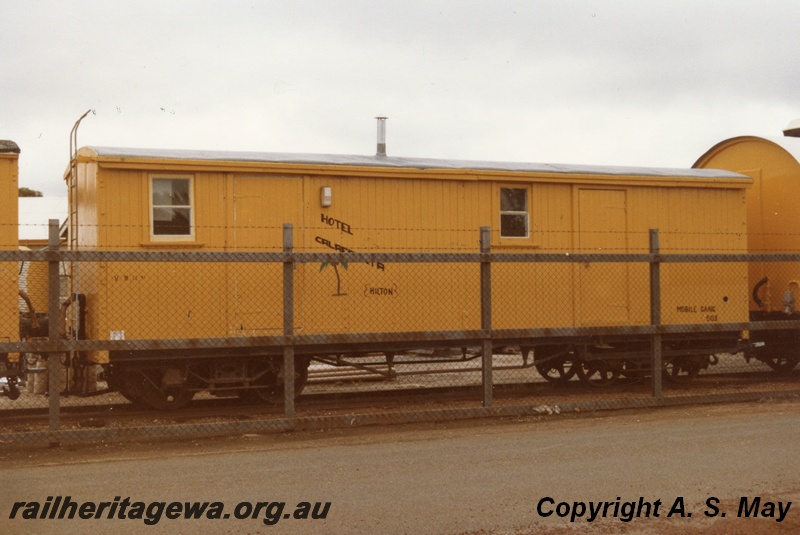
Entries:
{"x":381,"y":136}
{"x":793,"y":129}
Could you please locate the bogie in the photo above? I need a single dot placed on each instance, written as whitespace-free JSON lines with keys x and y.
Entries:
{"x":171,"y":384}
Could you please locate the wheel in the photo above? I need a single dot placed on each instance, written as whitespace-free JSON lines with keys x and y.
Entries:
{"x":144,"y":387}
{"x":780,"y":350}
{"x":557,"y":371}
{"x":262,"y":374}
{"x":781,"y":364}
{"x":131,"y":397}
{"x":119,"y":381}
{"x":681,"y":370}
{"x":267,"y":379}
{"x":11,"y":391}
{"x":555,"y":363}
{"x":599,"y":373}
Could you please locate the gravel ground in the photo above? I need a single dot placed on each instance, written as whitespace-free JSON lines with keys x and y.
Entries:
{"x":468,"y":477}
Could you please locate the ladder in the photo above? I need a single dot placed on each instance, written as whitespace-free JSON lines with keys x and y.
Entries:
{"x":73,"y":226}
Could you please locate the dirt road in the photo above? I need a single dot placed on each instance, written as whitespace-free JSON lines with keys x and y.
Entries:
{"x":487,"y":476}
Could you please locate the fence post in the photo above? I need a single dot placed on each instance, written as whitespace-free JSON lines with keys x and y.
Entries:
{"x":53,"y":358}
{"x":486,"y":316}
{"x":288,"y":326}
{"x":655,"y":310}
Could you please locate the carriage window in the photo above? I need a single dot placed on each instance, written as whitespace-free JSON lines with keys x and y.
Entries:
{"x":172,"y":207}
{"x":514,"y":213}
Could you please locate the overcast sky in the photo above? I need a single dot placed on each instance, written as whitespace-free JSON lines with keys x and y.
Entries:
{"x":645,"y":83}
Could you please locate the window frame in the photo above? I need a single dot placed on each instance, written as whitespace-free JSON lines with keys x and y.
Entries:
{"x":190,"y":237}
{"x":526,"y":212}
{"x":534,"y":236}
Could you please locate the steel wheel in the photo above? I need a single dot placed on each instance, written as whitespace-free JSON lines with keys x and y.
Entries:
{"x":122,"y":383}
{"x":131,"y":397}
{"x":268,"y":379}
{"x":781,"y":364}
{"x":557,"y":370}
{"x":555,"y":363}
{"x":599,"y":373}
{"x":144,"y":386}
{"x":681,"y":370}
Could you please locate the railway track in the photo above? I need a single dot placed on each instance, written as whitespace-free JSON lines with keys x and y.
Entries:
{"x":206,"y":409}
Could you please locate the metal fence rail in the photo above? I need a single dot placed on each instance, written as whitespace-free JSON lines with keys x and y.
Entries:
{"x":487,"y":335}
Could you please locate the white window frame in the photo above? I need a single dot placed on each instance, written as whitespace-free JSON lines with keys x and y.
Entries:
{"x":526,"y":212}
{"x":190,"y":206}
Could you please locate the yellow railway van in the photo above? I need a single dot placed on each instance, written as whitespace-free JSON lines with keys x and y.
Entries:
{"x":164,"y":200}
{"x":772,"y":216}
{"x":9,"y":315}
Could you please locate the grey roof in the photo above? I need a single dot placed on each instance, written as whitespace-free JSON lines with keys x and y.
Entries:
{"x":413,"y":163}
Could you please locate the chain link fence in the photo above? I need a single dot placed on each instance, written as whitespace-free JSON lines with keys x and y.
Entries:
{"x":118,"y":344}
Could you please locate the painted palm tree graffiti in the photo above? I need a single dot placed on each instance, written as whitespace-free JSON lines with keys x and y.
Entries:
{"x":338,"y":278}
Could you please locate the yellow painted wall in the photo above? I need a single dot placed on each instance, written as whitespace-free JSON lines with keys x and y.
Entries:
{"x":9,"y":283}
{"x":242,"y":207}
{"x":773,"y":208}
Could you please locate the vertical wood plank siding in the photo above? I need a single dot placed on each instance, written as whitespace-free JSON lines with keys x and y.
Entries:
{"x":389,"y":212}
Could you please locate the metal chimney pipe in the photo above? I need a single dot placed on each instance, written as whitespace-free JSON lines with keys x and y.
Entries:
{"x":793,"y":129}
{"x":381,"y":136}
